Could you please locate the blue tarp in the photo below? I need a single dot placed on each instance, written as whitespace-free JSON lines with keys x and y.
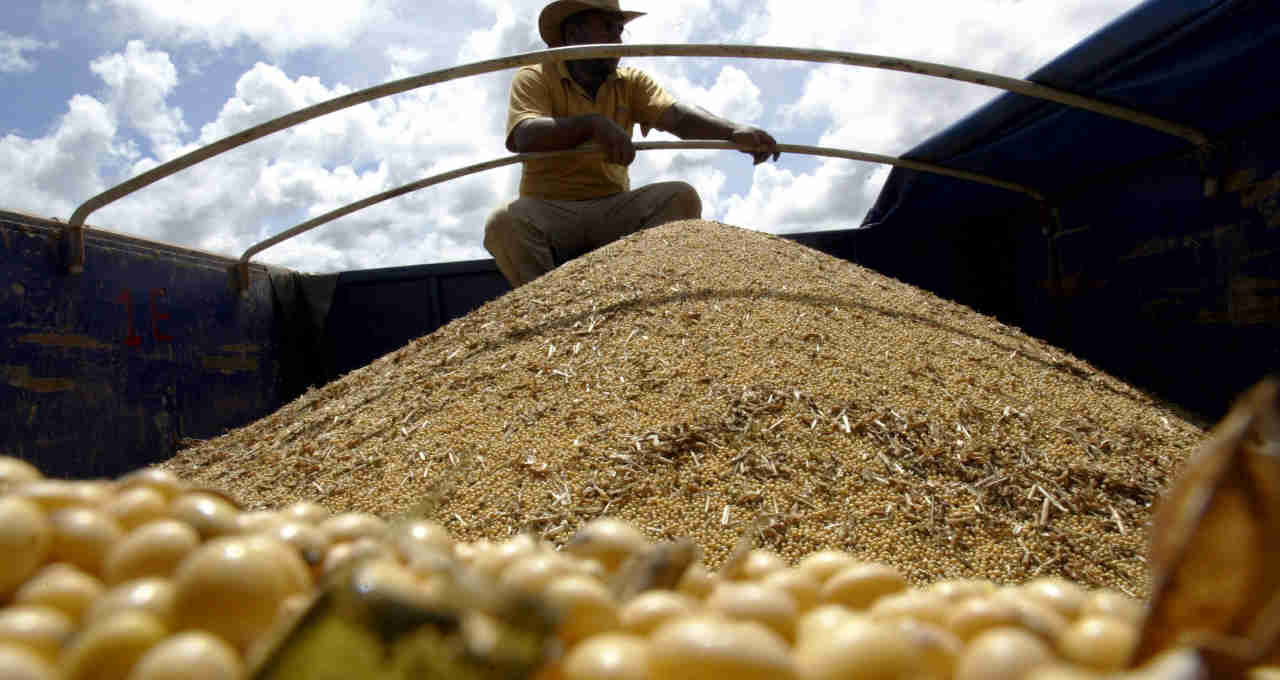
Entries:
{"x":1210,"y":64}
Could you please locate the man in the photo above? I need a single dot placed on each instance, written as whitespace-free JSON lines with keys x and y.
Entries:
{"x":571,"y":205}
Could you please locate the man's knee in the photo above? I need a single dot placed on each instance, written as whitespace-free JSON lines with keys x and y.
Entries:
{"x":521,"y":252}
{"x":681,"y":203}
{"x":685,"y":202}
{"x":497,"y":230}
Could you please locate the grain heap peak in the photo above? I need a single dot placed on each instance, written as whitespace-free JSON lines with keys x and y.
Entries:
{"x":698,"y":379}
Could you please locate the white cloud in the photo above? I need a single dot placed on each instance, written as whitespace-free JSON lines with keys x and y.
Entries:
{"x":46,"y":176}
{"x":511,"y":32}
{"x":12,"y":49}
{"x":833,"y":196}
{"x":266,"y":92}
{"x":139,"y":81}
{"x":278,"y":27}
{"x":692,"y":21}
{"x":406,"y":60}
{"x":890,"y":112}
{"x":245,"y":195}
{"x":733,"y":93}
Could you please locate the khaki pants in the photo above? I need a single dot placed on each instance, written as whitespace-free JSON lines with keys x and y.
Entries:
{"x":531,"y":236}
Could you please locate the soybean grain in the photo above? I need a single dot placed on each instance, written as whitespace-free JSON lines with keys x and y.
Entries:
{"x":699,"y":380}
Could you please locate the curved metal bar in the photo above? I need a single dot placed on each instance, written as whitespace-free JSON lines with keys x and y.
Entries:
{"x":1020,"y":86}
{"x":640,"y":146}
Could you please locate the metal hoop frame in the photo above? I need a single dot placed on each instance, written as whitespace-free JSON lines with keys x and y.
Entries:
{"x":75,"y":225}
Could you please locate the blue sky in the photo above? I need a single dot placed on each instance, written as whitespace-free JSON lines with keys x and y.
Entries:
{"x":99,"y":90}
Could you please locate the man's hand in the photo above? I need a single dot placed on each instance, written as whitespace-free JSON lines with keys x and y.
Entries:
{"x":617,"y":145}
{"x":693,"y":122}
{"x":568,"y":132}
{"x":755,"y":142}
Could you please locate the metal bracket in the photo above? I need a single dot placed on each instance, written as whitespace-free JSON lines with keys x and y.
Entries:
{"x":1051,"y":228}
{"x":74,"y":244}
{"x":1053,"y":219}
{"x":239,"y":273}
{"x":1212,"y":163}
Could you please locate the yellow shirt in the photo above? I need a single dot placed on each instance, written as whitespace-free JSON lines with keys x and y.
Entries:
{"x":546,"y":90}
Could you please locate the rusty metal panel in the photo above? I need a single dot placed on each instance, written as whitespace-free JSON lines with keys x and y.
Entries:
{"x":109,"y":370}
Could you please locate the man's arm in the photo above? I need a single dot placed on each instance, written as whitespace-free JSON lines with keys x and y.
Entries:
{"x":694,"y":122}
{"x":558,"y":134}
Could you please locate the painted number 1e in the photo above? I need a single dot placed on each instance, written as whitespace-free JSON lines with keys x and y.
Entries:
{"x":133,"y":339}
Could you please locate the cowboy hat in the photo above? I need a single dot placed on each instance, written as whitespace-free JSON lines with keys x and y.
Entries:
{"x":555,"y":13}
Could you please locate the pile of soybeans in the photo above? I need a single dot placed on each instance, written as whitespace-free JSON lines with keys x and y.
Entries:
{"x":149,"y":578}
{"x":703,"y":381}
